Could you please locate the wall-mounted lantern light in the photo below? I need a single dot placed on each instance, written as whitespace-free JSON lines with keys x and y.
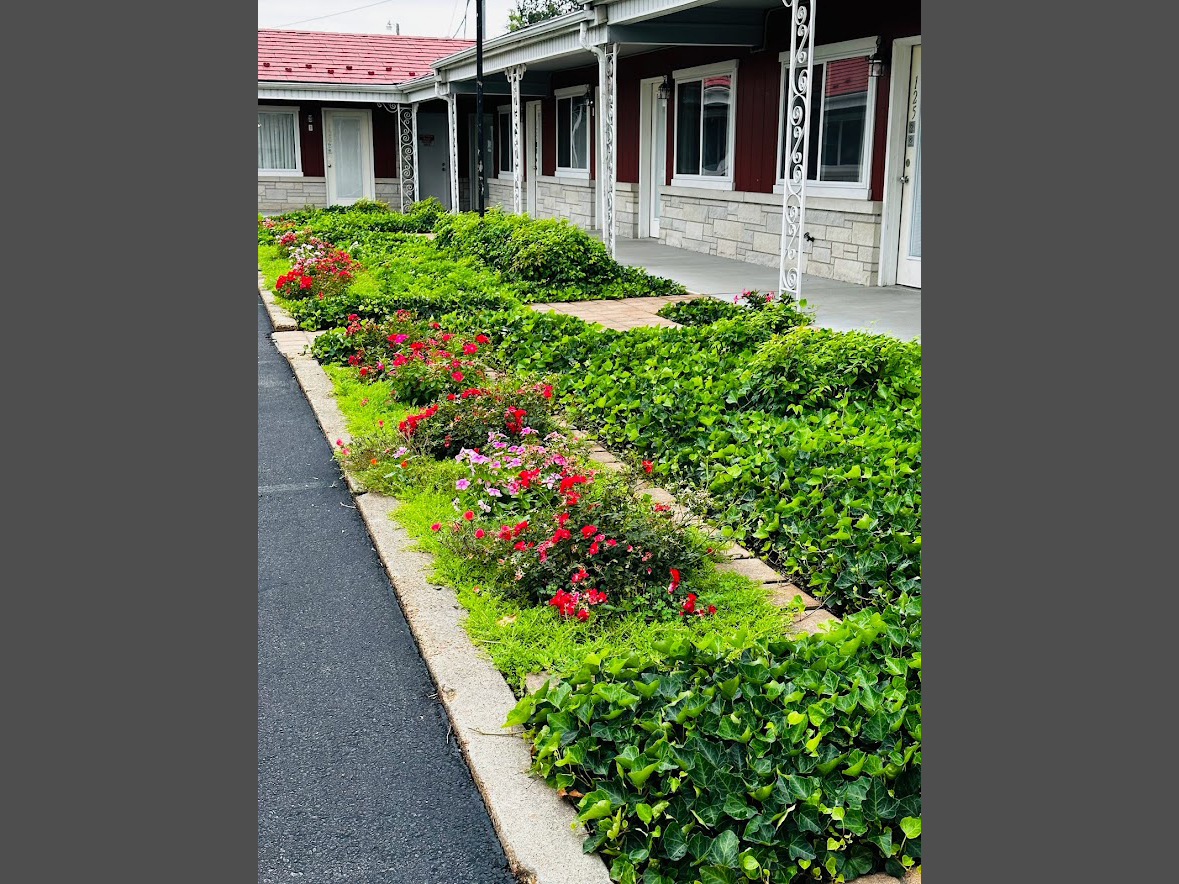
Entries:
{"x":665,"y":88}
{"x":876,"y":61}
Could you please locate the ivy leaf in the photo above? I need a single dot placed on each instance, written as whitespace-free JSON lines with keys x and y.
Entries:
{"x":799,"y":847}
{"x":725,"y":849}
{"x":675,"y":846}
{"x":717,"y":875}
{"x":911,"y":826}
{"x":878,"y":804}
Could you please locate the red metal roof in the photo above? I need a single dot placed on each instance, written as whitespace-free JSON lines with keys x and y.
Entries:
{"x":320,"y":57}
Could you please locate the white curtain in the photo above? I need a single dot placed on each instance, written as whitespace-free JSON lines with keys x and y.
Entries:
{"x":276,"y":141}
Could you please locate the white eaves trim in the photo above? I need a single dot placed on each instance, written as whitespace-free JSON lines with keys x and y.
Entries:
{"x":330,"y":92}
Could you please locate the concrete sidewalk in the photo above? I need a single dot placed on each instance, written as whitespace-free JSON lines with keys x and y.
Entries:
{"x":359,"y":776}
{"x":892,"y":310}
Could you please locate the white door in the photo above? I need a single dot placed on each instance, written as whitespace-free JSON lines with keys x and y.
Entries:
{"x":909,"y":256}
{"x":532,"y":130}
{"x":657,"y":156}
{"x":433,"y":156}
{"x":348,"y":155}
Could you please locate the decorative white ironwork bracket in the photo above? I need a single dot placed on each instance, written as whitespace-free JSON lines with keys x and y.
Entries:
{"x":407,"y":159}
{"x":514,"y":74}
{"x":797,"y":134}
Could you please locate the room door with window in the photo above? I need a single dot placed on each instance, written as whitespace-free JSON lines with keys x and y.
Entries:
{"x":909,"y":257}
{"x":348,"y":155}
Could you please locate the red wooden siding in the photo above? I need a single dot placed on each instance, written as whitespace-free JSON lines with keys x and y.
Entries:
{"x":311,"y":143}
{"x":384,"y":143}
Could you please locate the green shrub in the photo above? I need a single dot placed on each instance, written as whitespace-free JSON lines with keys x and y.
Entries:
{"x":817,"y":366}
{"x":698,"y":311}
{"x":791,"y":759}
{"x":549,"y":259}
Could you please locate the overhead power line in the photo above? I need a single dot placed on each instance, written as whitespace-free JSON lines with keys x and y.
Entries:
{"x":333,"y":14}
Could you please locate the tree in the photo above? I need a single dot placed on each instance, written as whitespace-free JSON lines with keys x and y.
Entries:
{"x":529,"y":12}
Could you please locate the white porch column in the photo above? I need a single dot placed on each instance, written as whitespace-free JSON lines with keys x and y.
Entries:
{"x":608,"y":167}
{"x":798,"y":116}
{"x":407,"y":161}
{"x":514,"y":74}
{"x":452,"y":146}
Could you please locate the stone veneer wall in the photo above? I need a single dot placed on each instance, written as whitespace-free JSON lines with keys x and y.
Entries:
{"x":748,"y":227}
{"x":566,"y":198}
{"x":279,"y":193}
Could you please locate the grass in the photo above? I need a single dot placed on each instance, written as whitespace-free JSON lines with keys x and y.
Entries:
{"x":520,"y":638}
{"x":275,"y":265}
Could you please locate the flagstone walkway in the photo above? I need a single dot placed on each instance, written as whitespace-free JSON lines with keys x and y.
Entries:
{"x":620,"y":315}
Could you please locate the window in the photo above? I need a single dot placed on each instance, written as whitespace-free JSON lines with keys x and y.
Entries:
{"x":842,"y":100}
{"x":573,"y":130}
{"x":504,"y":129}
{"x":278,"y":141}
{"x":705,"y":105}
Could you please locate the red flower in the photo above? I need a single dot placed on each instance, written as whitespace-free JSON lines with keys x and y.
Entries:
{"x":561,"y":534}
{"x":468,"y":349}
{"x":593,"y":549}
{"x":582,"y":614}
{"x":482,"y":339}
{"x":569,"y":481}
{"x":458,"y":376}
{"x":478,"y":533}
{"x":580,"y":575}
{"x":563,"y":518}
{"x":547,"y":392}
{"x":712,"y":609}
{"x":611,"y":542}
{"x":675,"y":577}
{"x":505,"y":533}
{"x":468,"y":515}
{"x":587,"y":530}
{"x":647,"y":466}
{"x":435,"y":526}
{"x":520,"y":528}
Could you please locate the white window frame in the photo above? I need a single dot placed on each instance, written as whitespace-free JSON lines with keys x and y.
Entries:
{"x":582,"y":91}
{"x":505,"y":150}
{"x":824,"y":54}
{"x":701,"y":73}
{"x":292,"y":112}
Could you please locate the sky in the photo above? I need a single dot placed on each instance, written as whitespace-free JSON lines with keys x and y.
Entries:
{"x":418,"y":18}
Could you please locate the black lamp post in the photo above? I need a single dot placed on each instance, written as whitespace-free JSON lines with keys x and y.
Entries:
{"x":479,"y":170}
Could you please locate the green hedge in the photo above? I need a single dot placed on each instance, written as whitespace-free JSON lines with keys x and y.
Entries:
{"x":790,"y":759}
{"x":550,"y":260}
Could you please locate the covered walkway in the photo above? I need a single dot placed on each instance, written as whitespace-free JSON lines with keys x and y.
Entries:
{"x":842,"y":306}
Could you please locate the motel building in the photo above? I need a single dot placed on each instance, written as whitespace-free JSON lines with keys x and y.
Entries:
{"x":785,"y":134}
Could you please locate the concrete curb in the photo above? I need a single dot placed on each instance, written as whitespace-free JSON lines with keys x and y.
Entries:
{"x":279,"y":318}
{"x":537,"y":829}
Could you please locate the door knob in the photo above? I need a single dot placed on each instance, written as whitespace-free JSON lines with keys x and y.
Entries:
{"x":904,"y":179}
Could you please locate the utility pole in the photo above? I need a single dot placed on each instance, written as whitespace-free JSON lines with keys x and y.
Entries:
{"x":480,"y":171}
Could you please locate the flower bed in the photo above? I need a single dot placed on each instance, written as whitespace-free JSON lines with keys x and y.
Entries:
{"x":803,"y":445}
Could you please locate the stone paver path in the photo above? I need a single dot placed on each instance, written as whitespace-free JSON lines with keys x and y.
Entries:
{"x":620,"y":315}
